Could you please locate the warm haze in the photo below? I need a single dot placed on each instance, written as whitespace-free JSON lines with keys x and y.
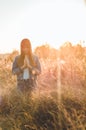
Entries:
{"x":52,"y":22}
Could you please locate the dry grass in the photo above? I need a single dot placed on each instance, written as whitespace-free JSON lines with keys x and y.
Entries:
{"x":54,"y":105}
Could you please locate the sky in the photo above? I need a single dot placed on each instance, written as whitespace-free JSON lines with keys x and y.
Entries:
{"x":42,"y":21}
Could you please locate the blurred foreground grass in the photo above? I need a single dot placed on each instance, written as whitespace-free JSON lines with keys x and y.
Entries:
{"x":43,"y":111}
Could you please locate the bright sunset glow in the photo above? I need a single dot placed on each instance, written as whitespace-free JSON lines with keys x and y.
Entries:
{"x":52,"y":22}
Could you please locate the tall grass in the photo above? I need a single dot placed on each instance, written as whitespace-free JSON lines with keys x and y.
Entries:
{"x":59,"y":102}
{"x":20,"y":112}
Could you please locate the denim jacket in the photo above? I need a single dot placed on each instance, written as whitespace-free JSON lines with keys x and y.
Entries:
{"x":17,"y":70}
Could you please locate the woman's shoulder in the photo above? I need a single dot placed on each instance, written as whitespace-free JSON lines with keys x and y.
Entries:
{"x":17,"y":57}
{"x":35,"y":56}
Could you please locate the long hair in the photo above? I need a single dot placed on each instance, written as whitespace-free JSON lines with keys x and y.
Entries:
{"x":26,"y":43}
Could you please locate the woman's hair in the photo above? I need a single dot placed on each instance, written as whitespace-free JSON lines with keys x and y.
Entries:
{"x":25,"y":43}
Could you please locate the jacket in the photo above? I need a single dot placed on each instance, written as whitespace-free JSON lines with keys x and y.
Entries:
{"x":16,"y":70}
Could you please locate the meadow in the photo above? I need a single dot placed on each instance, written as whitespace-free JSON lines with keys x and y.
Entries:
{"x":58,"y":103}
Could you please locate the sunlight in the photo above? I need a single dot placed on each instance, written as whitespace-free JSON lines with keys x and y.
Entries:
{"x":59,"y":89}
{"x":53,"y":22}
{"x":59,"y":79}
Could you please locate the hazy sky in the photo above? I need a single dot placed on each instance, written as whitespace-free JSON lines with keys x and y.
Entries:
{"x":42,"y":21}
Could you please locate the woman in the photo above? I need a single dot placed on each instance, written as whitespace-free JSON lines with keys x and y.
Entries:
{"x":26,"y":66}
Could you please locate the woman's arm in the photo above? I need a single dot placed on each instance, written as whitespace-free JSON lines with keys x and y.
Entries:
{"x":37,"y":69}
{"x":15,"y":68}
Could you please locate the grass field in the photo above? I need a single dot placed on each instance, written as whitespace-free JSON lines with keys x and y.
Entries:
{"x":59,"y":102}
